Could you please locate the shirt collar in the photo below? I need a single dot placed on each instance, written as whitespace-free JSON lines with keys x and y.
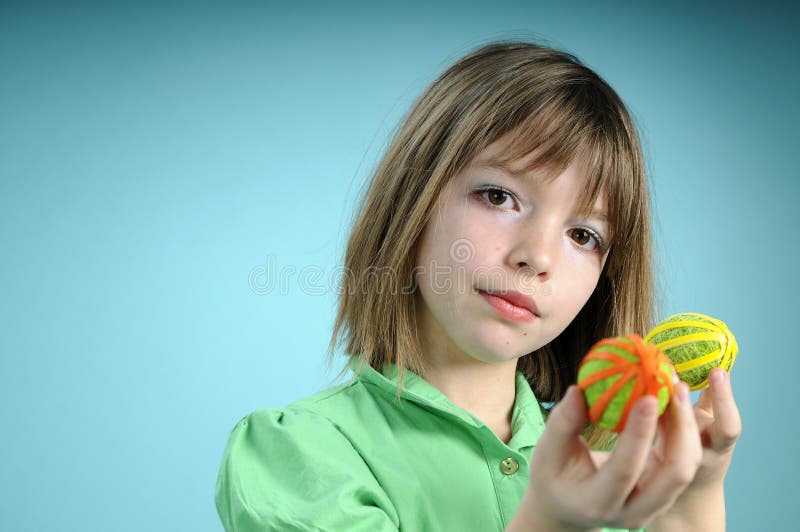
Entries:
{"x":527,"y":421}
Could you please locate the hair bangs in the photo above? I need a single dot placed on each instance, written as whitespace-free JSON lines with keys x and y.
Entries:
{"x":574,"y":126}
{"x":547,"y":139}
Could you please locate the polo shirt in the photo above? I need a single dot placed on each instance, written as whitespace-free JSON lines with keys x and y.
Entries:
{"x":354,"y":458}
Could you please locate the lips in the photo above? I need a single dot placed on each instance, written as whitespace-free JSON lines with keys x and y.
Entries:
{"x":516,"y":298}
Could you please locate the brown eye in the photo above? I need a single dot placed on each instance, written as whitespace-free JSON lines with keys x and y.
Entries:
{"x":496,"y":197}
{"x":585,"y":236}
{"x":582,"y":237}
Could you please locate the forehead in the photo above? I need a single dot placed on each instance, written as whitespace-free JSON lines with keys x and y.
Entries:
{"x":533,"y":163}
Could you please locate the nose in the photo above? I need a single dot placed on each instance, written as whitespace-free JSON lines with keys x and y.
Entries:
{"x":534,"y":250}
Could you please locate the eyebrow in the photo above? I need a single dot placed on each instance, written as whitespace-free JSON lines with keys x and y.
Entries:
{"x":499,"y":166}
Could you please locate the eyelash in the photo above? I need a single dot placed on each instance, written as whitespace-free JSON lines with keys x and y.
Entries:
{"x":601,"y":246}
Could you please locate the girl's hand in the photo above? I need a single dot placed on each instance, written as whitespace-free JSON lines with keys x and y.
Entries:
{"x":720,"y":427}
{"x":573,"y":489}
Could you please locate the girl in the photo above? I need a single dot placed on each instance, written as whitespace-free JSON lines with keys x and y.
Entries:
{"x":506,"y":229}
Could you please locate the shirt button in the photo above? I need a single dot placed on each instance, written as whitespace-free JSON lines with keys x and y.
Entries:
{"x":509,"y":466}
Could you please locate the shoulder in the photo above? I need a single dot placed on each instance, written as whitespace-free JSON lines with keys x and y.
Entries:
{"x":272,"y":428}
{"x":289,"y":468}
{"x":299,"y":431}
{"x":309,"y":431}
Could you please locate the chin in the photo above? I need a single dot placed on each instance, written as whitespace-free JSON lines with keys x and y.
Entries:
{"x":496,"y":354}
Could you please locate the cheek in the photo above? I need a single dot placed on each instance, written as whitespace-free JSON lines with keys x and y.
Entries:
{"x":584,"y":265}
{"x":584,"y":292}
{"x":430,"y":251}
{"x":460,"y":247}
{"x":583,"y":278}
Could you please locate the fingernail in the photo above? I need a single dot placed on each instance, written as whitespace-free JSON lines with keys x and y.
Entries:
{"x":717,"y":377}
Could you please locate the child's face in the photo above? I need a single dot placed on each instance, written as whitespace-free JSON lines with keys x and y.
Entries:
{"x":530,"y":239}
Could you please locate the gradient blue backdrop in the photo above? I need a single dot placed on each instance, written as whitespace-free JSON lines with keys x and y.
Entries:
{"x":158,"y":161}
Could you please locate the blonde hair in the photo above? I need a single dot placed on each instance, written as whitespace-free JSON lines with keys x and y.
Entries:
{"x":540,"y":99}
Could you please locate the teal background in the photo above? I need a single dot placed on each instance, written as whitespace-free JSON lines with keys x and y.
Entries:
{"x":158,"y":161}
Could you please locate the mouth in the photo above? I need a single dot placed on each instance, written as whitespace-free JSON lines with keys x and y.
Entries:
{"x":511,"y":304}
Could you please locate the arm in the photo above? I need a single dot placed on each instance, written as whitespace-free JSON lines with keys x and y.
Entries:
{"x":697,"y":511}
{"x":702,"y":505}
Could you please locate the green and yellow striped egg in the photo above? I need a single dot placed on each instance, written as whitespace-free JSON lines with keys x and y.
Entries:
{"x":696,"y":344}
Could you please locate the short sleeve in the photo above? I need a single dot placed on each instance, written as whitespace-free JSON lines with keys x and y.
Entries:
{"x":293,"y":470}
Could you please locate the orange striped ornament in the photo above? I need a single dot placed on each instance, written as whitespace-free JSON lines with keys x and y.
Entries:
{"x":616,"y":372}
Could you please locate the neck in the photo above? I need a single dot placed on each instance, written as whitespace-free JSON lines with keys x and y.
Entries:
{"x":487,"y":391}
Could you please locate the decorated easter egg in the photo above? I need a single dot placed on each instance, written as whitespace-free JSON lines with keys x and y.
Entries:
{"x":616,"y":372}
{"x":696,"y":344}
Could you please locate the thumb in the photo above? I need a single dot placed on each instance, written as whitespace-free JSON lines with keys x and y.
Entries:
{"x":565,"y":423}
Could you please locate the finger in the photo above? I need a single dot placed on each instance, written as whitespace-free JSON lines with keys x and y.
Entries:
{"x":656,"y":451}
{"x":564,"y":425}
{"x":704,"y":402}
{"x":658,"y":443}
{"x":727,"y":422}
{"x":618,"y":476}
{"x":682,"y":454}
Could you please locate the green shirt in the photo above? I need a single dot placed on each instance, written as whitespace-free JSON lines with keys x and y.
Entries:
{"x":354,"y":458}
